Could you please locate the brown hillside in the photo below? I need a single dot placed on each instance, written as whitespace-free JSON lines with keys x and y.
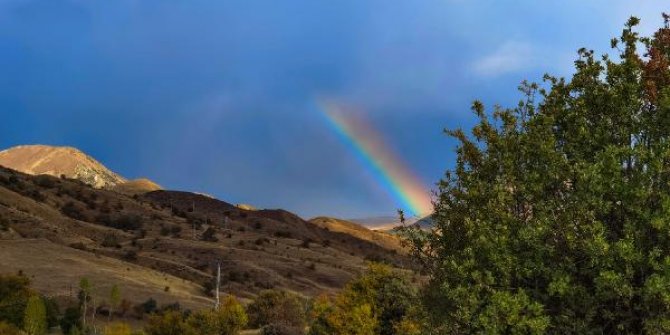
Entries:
{"x":137,"y":186}
{"x":177,"y":234}
{"x":382,"y":239}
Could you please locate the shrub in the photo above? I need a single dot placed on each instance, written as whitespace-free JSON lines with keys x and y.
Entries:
{"x":279,"y":329}
{"x":230,"y":319}
{"x":71,"y":320}
{"x":283,"y":234}
{"x":130,"y":255}
{"x":35,"y":316}
{"x":127,"y":222}
{"x":149,"y":306}
{"x":45,"y":181}
{"x":73,"y":211}
{"x":169,"y":323}
{"x":9,"y":329}
{"x":210,"y":235}
{"x":110,"y":241}
{"x":277,"y":307}
{"x":14,"y":295}
{"x":117,"y":328}
{"x":4,"y":223}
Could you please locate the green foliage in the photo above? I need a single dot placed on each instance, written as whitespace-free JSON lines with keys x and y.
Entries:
{"x":52,"y":310}
{"x":279,"y":329}
{"x":230,"y":319}
{"x":35,"y":316}
{"x":14,"y":295}
{"x":169,"y":323}
{"x":381,"y":301}
{"x":277,"y":307}
{"x":9,"y":329}
{"x":555,"y":219}
{"x":114,"y":299}
{"x":232,"y":316}
{"x":71,"y":320}
{"x":117,"y":328}
{"x":339,"y":317}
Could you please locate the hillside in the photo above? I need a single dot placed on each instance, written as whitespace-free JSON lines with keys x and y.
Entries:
{"x":382,"y":239}
{"x":176,"y":235}
{"x":137,"y":186}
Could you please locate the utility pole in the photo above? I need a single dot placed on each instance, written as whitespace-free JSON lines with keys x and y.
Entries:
{"x":218,"y":284}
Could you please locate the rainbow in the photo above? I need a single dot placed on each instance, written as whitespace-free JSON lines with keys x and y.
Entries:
{"x":370,"y":148}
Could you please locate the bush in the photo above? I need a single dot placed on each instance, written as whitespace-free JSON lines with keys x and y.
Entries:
{"x":283,"y":234}
{"x":71,"y":320}
{"x":117,"y":328}
{"x":279,"y":329}
{"x":230,"y":319}
{"x":277,"y":307}
{"x":4,"y":223}
{"x":111,"y":241}
{"x":37,"y":195}
{"x":130,"y":255}
{"x":127,"y":222}
{"x":169,"y":323}
{"x":14,"y":295}
{"x":210,"y":235}
{"x":9,"y":329}
{"x":45,"y":181}
{"x":149,"y":306}
{"x":73,"y":211}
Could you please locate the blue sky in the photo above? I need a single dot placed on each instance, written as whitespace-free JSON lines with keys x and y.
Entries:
{"x":219,"y":96}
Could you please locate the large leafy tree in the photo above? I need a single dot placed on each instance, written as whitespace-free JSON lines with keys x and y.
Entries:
{"x":556,"y":217}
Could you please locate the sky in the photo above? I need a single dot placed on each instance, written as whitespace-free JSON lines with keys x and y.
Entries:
{"x":223,"y":97}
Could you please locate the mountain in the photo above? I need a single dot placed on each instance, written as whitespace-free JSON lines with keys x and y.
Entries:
{"x":71,"y":163}
{"x":137,"y":186}
{"x":57,"y":161}
{"x":167,"y":244}
{"x":382,"y":239}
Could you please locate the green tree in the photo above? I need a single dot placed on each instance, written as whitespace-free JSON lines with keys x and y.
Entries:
{"x":169,"y":323}
{"x":277,"y":307}
{"x":389,"y":293}
{"x":84,"y":296}
{"x":232,"y":316}
{"x":339,"y":316}
{"x":14,"y":294}
{"x":35,"y":316}
{"x":114,"y":299}
{"x":117,"y":328}
{"x":555,"y":218}
{"x":230,"y":319}
{"x":9,"y":329}
{"x":71,"y":321}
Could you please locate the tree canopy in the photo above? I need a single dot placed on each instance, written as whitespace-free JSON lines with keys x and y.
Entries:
{"x":556,"y":217}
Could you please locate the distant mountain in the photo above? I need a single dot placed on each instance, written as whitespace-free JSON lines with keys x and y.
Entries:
{"x":137,"y":186}
{"x":71,"y":163}
{"x":388,"y":223}
{"x":57,"y":161}
{"x":382,"y":239}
